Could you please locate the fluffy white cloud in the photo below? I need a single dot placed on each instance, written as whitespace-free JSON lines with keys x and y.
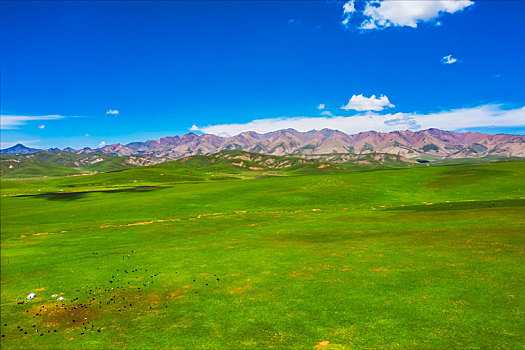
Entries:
{"x":321,"y":106}
{"x":448,"y":60}
{"x":14,"y":121}
{"x":382,"y":14}
{"x":112,"y":112}
{"x":481,"y":116}
{"x":102,"y":144}
{"x":42,"y":126}
{"x":361,"y":103}
{"x":349,"y":7}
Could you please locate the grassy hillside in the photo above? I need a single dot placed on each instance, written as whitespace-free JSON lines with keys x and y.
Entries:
{"x":235,"y":161}
{"x":65,"y":163}
{"x":214,"y":166}
{"x":92,"y":161}
{"x":161,"y":256}
{"x":20,"y":166}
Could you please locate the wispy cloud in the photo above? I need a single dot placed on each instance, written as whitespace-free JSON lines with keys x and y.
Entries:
{"x":15,"y":121}
{"x":43,"y":126}
{"x":102,"y":144}
{"x":321,"y":106}
{"x":448,"y":60}
{"x":361,"y":103}
{"x":112,"y":112}
{"x":490,"y":115}
{"x":348,"y":11}
{"x":378,"y":14}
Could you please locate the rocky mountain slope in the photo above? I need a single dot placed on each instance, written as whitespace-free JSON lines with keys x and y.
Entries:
{"x":241,"y":160}
{"x":426,"y":144}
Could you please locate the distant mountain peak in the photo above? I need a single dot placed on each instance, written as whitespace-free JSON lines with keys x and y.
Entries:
{"x":19,"y":149}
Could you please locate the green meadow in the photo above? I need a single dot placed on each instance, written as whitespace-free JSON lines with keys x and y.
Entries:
{"x":172,"y":256}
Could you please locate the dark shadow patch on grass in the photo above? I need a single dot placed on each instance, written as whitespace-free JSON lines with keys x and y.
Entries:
{"x":70,"y":196}
{"x":503,"y":203}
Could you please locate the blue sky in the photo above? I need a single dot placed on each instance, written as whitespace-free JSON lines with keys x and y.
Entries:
{"x":227,"y":67}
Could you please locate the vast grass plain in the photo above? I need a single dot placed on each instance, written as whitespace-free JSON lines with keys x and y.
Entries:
{"x":201,"y":257}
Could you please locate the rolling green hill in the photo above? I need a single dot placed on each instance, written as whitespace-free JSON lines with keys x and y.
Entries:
{"x":214,"y":166}
{"x":22,"y":166}
{"x":236,"y":160}
{"x":65,"y":163}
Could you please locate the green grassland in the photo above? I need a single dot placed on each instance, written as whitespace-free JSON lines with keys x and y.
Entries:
{"x":202,"y":254}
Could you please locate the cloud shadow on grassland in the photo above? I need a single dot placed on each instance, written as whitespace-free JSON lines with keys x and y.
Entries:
{"x":71,"y":196}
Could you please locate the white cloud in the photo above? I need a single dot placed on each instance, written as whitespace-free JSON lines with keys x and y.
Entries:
{"x":14,"y":121}
{"x":87,"y":135}
{"x":379,"y":14}
{"x":321,"y":106}
{"x":349,"y":7}
{"x":328,"y":113}
{"x":362,"y":103}
{"x":112,"y":112}
{"x":448,"y":60}
{"x":195,"y":128}
{"x":348,"y":10}
{"x":42,"y":126}
{"x":490,"y":115}
{"x":102,"y":144}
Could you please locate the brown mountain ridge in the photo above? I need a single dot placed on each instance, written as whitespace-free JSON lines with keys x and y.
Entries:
{"x":425,"y":144}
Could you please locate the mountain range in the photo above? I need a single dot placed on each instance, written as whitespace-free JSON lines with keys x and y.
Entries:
{"x":431,"y":144}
